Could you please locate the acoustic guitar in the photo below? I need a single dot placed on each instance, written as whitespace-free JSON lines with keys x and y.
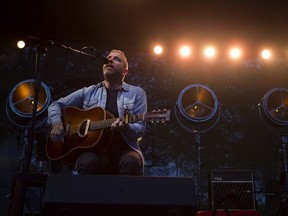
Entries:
{"x":90,"y":129}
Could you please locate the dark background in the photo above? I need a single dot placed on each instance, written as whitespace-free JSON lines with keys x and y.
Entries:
{"x":137,"y":23}
{"x":240,"y":139}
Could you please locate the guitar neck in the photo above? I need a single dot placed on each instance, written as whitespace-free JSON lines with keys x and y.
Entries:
{"x":106,"y":123}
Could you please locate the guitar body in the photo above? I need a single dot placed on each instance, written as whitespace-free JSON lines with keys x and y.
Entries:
{"x":76,"y":141}
{"x":89,"y":130}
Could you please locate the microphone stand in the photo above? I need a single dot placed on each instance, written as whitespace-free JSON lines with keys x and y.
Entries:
{"x":25,"y":178}
{"x":96,"y":53}
{"x":39,"y":64}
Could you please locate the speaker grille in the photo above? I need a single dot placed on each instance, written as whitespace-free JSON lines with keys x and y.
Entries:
{"x":233,"y":190}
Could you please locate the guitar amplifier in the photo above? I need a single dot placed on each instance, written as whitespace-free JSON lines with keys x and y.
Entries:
{"x":232,"y":189}
{"x":74,"y":195}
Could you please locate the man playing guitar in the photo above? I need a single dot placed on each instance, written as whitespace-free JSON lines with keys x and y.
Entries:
{"x":112,"y":149}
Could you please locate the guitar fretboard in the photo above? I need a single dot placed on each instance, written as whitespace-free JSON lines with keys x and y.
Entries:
{"x":106,"y":123}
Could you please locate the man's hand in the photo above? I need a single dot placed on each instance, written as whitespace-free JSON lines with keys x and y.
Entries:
{"x":119,"y":125}
{"x":57,"y":133}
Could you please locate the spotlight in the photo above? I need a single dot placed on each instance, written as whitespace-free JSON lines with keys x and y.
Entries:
{"x":273,"y":108}
{"x":158,"y":49}
{"x":235,"y":53}
{"x":266,"y":54}
{"x":197,"y":108}
{"x":209,"y":52}
{"x":20,"y":104}
{"x":185,"y":51}
{"x":21,"y":44}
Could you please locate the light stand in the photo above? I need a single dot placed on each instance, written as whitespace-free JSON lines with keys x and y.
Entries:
{"x":273,"y":110}
{"x":197,"y":111}
{"x":199,"y":169}
{"x":284,"y":142}
{"x":283,"y":208}
{"x":25,"y":178}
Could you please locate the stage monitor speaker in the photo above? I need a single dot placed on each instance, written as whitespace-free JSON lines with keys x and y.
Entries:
{"x":73,"y":195}
{"x":232,"y":189}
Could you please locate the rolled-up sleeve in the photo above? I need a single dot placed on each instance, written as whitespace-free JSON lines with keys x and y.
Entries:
{"x":55,"y":108}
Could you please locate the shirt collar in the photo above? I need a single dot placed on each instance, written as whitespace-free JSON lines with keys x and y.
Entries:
{"x":125,"y":86}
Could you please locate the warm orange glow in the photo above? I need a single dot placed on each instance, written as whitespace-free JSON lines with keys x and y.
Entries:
{"x":266,"y":54}
{"x":158,"y":49}
{"x":185,"y":51}
{"x":235,"y":53}
{"x":210,"y":52}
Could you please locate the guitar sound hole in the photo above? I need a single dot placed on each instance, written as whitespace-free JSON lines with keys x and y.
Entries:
{"x":82,"y":129}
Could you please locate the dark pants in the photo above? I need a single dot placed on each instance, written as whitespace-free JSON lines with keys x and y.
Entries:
{"x":127,"y":162}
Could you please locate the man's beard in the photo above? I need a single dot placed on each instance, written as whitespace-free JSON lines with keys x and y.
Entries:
{"x":113,"y":77}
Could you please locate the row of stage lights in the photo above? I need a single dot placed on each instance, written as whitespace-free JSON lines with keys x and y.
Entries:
{"x":210,"y":52}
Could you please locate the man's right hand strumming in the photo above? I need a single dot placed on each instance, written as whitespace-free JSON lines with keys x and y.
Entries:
{"x":57,"y":133}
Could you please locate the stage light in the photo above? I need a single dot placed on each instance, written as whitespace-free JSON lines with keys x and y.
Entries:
{"x":235,"y":53}
{"x":158,"y":50}
{"x":210,"y":52}
{"x":20,"y":44}
{"x":197,"y":108}
{"x":266,"y":54}
{"x":20,"y":104}
{"x":185,"y":51}
{"x":274,"y":107}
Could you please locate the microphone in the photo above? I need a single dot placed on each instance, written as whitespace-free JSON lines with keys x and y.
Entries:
{"x":104,"y":59}
{"x":100,"y":56}
{"x":39,"y":41}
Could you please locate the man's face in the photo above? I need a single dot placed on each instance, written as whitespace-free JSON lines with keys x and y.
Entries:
{"x":115,"y":69}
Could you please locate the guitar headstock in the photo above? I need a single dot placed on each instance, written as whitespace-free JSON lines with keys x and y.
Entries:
{"x":159,"y":116}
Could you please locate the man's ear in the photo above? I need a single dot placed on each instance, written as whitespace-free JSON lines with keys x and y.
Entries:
{"x":125,"y":72}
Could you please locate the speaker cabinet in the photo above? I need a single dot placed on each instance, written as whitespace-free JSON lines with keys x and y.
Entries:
{"x":232,"y":189}
{"x":118,"y":195}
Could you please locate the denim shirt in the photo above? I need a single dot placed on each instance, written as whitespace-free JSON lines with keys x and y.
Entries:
{"x":129,"y":97}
